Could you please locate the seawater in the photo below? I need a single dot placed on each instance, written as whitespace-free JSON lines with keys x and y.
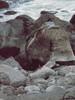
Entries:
{"x":64,"y":8}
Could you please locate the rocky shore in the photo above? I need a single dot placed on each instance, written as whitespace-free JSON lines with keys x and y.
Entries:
{"x":37,"y":60}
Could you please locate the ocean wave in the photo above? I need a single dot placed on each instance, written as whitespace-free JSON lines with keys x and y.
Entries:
{"x":64,"y":8}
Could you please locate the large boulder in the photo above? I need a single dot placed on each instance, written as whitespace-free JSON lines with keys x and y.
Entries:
{"x":13,"y":74}
{"x":3,"y":4}
{"x":51,"y":44}
{"x":61,"y":45}
{"x":11,"y":62}
{"x":49,"y":40}
{"x":21,"y":27}
{"x":54,"y":95}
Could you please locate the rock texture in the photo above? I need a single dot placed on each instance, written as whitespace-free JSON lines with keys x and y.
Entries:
{"x":42,"y":66}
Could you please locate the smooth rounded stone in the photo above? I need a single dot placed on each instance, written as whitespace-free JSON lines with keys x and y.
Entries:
{"x":41,"y":81}
{"x":42,"y":73}
{"x":70,"y":93}
{"x":70,"y":78}
{"x":4,"y":78}
{"x":32,"y":89}
{"x":3,"y":4}
{"x":16,"y":76}
{"x":56,"y":92}
{"x":11,"y":62}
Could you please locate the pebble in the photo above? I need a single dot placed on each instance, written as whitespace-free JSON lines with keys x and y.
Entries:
{"x":32,"y":88}
{"x":56,"y":92}
{"x":42,"y":73}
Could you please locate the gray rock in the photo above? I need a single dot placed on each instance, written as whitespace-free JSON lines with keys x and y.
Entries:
{"x":42,"y":73}
{"x":15,"y":75}
{"x":11,"y":62}
{"x":32,"y":89}
{"x":5,"y":30}
{"x":56,"y":92}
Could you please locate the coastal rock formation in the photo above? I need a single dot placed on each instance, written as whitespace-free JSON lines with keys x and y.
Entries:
{"x":43,"y":64}
{"x":3,"y":4}
{"x":50,"y":42}
{"x":35,"y":42}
